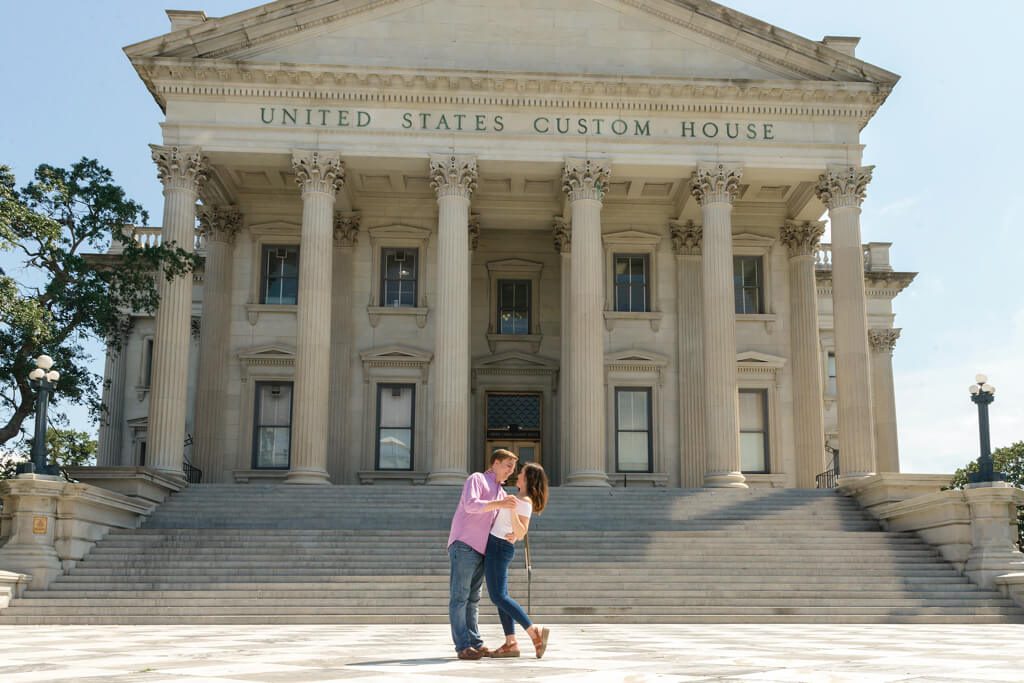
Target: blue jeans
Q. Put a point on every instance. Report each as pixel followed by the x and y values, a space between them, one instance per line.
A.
pixel 467 575
pixel 496 563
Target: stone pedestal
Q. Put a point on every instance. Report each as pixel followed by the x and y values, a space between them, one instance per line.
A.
pixel 993 532
pixel 144 484
pixel 12 585
pixel 30 501
pixel 887 454
pixel 808 407
pixel 686 243
pixel 453 178
pixel 584 182
pixel 182 170
pixel 219 225
pixel 714 186
pixel 319 177
pixel 842 190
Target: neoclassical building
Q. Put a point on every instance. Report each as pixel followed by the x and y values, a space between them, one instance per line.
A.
pixel 589 231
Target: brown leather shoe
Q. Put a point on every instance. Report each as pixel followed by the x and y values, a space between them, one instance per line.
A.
pixel 505 650
pixel 483 650
pixel 470 653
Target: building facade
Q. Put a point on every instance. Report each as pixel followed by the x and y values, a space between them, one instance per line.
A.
pixel 586 231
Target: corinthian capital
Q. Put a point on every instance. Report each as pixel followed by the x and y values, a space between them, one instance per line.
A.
pixel 562 233
pixel 843 186
pixel 318 172
pixel 585 179
pixel 474 231
pixel 180 168
pixel 884 339
pixel 686 238
pixel 715 183
pixel 802 238
pixel 219 223
pixel 346 228
pixel 453 175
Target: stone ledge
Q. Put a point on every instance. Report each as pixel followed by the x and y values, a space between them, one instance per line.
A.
pixel 396 477
pixel 137 482
pixel 1012 586
pixel 766 481
pixel 890 487
pixel 12 585
pixel 627 479
pixel 243 476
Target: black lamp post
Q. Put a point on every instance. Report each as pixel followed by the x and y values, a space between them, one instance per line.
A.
pixel 982 394
pixel 44 381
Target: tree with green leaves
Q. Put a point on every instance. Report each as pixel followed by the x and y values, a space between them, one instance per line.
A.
pixel 65 290
pixel 65 447
pixel 1008 460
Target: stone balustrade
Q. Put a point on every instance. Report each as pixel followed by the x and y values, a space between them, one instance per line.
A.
pixel 153 237
pixel 876 257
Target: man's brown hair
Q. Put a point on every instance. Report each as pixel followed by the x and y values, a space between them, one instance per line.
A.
pixel 502 454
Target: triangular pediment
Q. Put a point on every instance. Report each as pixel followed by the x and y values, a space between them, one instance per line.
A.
pixel 758 359
pixel 677 39
pixel 515 359
pixel 395 353
pixel 267 352
pixel 636 357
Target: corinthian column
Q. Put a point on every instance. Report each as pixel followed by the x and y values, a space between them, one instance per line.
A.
pixel 182 170
pixel 883 394
pixel 842 190
pixel 320 176
pixel 686 243
pixel 584 181
pixel 714 186
pixel 342 463
pixel 453 178
pixel 112 423
pixel 808 409
pixel 219 226
pixel 562 234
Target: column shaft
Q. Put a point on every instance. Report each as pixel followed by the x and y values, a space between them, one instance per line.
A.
pixel 884 399
pixel 454 179
pixel 563 245
pixel 319 177
pixel 342 463
pixel 219 226
pixel 182 171
pixel 714 187
pixel 843 191
pixel 686 242
pixel 808 401
pixel 112 425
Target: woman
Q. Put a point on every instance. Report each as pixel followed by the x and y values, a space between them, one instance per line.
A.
pixel 510 526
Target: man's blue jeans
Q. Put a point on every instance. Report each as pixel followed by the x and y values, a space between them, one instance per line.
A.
pixel 467 576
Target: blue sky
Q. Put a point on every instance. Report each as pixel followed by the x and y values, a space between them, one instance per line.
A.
pixel 945 190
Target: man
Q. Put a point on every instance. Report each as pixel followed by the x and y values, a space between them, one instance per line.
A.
pixel 482 497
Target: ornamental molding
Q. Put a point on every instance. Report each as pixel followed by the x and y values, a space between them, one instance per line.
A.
pixel 843 186
pixel 877 284
pixel 395 356
pixel 453 175
pixel 715 183
pixel 320 172
pixel 346 228
pixel 561 232
pixel 585 178
pixel 219 223
pixel 801 237
pixel 267 355
pixel 687 237
pixel 754 364
pixel 180 168
pixel 883 340
pixel 631 238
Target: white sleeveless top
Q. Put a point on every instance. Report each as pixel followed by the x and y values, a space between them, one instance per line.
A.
pixel 503 522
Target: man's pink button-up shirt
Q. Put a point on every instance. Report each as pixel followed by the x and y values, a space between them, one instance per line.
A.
pixel 471 524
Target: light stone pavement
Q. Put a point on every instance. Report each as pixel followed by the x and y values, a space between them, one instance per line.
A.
pixel 420 654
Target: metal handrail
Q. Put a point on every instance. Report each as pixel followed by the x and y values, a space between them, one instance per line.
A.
pixel 193 475
pixel 829 478
pixel 529 575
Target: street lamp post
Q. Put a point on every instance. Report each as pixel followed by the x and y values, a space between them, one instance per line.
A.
pixel 982 394
pixel 44 381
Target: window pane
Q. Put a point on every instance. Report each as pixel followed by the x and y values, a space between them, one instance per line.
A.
pixel 747 284
pixel 273 446
pixel 396 411
pixel 395 449
pixel 275 401
pixel 633 455
pixel 751 411
pixel 630 282
pixel 273 424
pixel 280 275
pixel 633 410
pixel 752 452
pixel 513 306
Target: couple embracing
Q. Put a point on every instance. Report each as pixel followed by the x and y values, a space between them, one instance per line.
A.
pixel 481 545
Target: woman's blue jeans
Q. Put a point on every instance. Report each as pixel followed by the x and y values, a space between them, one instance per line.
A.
pixel 496 563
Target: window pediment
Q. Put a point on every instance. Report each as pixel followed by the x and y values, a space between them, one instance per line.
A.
pixel 388 355
pixel 631 238
pixel 515 359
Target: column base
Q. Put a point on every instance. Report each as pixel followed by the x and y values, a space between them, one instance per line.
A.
pixel 319 477
pixel 447 478
pixel 725 480
pixel 587 478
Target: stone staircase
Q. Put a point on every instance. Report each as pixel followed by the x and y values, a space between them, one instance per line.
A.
pixel 375 554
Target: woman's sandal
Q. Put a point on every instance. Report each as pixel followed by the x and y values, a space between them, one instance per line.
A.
pixel 541 644
pixel 505 650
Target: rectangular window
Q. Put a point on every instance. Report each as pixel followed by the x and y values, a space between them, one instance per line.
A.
pixel 830 382
pixel 754 431
pixel 631 285
pixel 398 277
pixel 514 306
pixel 272 444
pixel 279 280
pixel 748 282
pixel 395 419
pixel 633 430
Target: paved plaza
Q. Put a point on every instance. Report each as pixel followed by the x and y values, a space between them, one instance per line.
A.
pixel 229 654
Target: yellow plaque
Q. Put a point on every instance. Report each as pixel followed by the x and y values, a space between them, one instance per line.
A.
pixel 39 525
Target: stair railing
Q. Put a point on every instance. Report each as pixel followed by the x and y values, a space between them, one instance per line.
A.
pixel 829 478
pixel 193 474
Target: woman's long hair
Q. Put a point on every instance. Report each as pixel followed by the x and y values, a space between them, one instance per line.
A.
pixel 536 485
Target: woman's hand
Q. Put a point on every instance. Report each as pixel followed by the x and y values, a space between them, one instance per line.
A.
pixel 511 537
